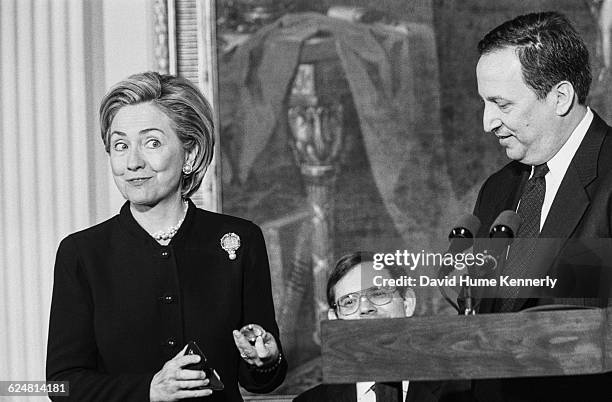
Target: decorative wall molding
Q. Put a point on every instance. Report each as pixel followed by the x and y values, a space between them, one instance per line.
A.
pixel 160 11
pixel 186 42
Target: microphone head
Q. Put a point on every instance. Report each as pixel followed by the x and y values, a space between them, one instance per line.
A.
pixel 506 225
pixel 466 227
pixel 462 235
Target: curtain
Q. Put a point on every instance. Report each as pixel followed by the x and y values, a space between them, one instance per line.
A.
pixel 45 167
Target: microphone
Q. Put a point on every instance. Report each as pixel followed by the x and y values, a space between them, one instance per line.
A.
pixel 504 227
pixel 461 237
pixel 501 235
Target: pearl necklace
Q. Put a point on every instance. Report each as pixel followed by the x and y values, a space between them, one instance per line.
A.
pixel 169 233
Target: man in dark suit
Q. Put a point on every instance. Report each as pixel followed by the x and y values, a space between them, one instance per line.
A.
pixel 534 76
pixel 352 294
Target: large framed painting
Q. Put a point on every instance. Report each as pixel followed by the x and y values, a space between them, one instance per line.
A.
pixel 347 125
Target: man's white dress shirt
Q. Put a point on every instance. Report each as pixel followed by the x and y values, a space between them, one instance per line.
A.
pixel 365 393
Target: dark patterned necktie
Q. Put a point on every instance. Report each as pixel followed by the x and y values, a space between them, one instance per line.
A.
pixel 388 392
pixel 523 247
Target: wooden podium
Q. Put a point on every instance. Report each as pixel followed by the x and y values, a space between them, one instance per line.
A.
pixel 524 344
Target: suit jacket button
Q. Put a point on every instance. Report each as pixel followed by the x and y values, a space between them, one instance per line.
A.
pixel 165 254
pixel 168 299
pixel 171 342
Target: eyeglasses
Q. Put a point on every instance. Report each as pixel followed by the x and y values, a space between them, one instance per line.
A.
pixel 377 295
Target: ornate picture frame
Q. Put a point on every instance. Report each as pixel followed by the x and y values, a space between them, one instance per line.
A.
pixel 184 38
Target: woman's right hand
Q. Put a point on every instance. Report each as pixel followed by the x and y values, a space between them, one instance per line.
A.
pixel 172 382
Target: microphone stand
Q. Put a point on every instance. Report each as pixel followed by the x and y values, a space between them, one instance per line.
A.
pixel 445 295
pixel 505 234
pixel 501 235
pixel 469 302
pixel 461 238
pixel 466 291
pixel 498 261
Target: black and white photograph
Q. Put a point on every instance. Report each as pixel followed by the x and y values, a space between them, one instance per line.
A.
pixel 210 199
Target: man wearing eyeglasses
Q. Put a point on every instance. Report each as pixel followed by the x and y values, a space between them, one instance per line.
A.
pixel 353 295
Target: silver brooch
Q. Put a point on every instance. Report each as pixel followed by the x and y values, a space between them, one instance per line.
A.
pixel 230 242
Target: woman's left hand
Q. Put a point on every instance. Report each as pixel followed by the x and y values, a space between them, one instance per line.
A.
pixel 263 353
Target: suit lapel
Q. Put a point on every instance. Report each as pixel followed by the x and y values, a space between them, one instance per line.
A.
pixel 570 203
pixel 568 207
pixel 508 197
pixel 505 194
pixel 517 186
